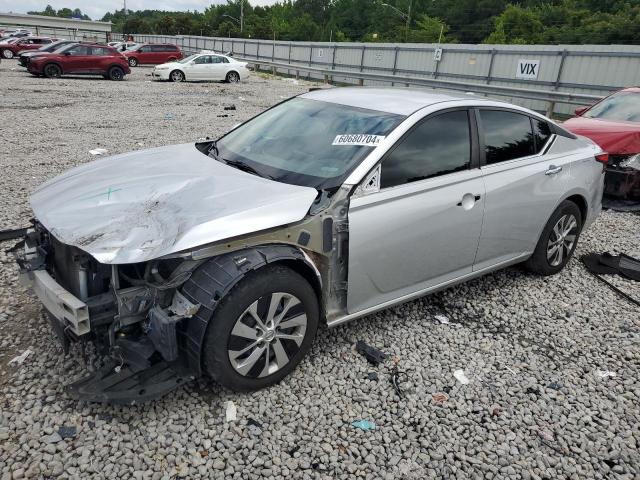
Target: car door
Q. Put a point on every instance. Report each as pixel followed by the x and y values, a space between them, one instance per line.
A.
pixel 78 59
pixel 218 68
pixel 523 185
pixel 198 68
pixel 421 228
pixel 145 54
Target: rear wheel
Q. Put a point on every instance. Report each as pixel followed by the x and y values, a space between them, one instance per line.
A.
pixel 7 53
pixel 52 70
pixel 176 76
pixel 558 240
pixel 261 330
pixel 233 77
pixel 133 62
pixel 116 73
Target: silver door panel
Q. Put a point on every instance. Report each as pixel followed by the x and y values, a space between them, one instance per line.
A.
pixel 521 195
pixel 408 238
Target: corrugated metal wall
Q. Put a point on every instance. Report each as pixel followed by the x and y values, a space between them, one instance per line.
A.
pixel 590 69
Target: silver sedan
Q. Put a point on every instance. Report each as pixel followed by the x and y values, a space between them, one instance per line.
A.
pixel 225 257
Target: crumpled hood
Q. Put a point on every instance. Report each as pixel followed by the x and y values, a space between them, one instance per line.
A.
pixel 142 205
pixel 616 138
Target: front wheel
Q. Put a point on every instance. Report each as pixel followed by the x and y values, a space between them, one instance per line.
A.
pixel 261 330
pixel 176 76
pixel 7 53
pixel 133 62
pixel 52 71
pixel 233 77
pixel 558 240
pixel 116 73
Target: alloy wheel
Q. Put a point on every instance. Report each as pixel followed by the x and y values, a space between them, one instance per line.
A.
pixel 176 76
pixel 562 239
pixel 7 54
pixel 52 71
pixel 117 74
pixel 233 77
pixel 267 335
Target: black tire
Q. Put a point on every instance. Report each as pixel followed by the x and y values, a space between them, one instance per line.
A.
pixel 545 260
pixel 176 76
pixel 232 77
pixel 51 70
pixel 219 341
pixel 133 62
pixel 116 74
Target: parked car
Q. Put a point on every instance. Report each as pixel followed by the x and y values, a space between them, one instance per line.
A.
pixel 28 43
pixel 153 54
pixel 202 66
pixel 80 59
pixel 614 124
pixel 25 55
pixel 123 46
pixel 224 256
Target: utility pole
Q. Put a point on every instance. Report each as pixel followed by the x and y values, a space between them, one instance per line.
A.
pixel 406 36
pixel 241 15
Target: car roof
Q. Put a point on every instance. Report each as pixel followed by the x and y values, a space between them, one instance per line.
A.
pixel 397 100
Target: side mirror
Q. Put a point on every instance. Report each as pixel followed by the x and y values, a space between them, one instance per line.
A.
pixel 66 54
pixel 580 111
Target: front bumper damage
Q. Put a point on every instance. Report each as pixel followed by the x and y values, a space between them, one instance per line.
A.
pixel 134 327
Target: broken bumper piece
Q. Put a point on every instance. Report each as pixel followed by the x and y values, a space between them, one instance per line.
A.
pixel 125 386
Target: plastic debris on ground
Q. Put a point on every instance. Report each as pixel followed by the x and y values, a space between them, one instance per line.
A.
pixel 397 378
pixel 605 373
pixel 373 376
pixel 442 319
pixel 461 377
pixel 67 432
pixel 169 116
pixel 230 107
pixel 439 397
pixel 231 414
pixel 364 425
pixel 555 386
pixel 19 360
pixel 372 354
pixel 98 151
pixel 254 427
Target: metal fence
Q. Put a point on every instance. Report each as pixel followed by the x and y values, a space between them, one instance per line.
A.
pixel 72 34
pixel 587 72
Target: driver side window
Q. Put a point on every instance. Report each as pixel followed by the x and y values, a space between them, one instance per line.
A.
pixel 439 145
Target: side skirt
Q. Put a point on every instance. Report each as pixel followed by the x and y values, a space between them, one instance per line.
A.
pixel 420 293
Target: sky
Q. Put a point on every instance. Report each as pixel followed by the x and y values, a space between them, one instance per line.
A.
pixel 97 8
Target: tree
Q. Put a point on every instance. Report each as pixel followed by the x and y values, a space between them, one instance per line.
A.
pixel 517 25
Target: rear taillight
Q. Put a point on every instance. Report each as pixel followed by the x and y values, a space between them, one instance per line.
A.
pixel 602 158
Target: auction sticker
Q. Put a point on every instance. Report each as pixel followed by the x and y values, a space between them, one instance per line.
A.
pixel 361 139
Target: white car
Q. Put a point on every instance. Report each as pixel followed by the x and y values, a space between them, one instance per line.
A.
pixel 202 66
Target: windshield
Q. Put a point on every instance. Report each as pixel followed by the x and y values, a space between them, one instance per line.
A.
pixel 622 106
pixel 188 59
pixel 306 142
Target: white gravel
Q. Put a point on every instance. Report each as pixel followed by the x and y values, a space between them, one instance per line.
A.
pixel 535 406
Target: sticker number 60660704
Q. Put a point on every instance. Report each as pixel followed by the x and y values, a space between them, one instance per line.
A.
pixel 361 139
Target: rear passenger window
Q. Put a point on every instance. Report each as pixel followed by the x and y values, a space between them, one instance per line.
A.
pixel 542 133
pixel 507 135
pixel 439 145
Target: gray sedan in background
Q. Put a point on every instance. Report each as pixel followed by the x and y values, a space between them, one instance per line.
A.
pixel 222 257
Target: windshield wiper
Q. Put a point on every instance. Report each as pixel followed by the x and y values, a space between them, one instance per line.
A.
pixel 245 167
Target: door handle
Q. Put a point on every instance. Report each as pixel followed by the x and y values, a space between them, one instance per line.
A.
pixel 552 170
pixel 468 201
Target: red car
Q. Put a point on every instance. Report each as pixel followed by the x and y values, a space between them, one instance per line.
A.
pixel 10 50
pixel 153 54
pixel 614 124
pixel 81 59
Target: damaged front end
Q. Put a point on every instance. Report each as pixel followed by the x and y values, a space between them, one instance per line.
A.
pixel 131 314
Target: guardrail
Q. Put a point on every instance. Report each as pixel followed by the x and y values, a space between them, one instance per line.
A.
pixel 550 96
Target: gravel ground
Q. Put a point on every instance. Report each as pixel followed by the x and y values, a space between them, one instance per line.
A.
pixel 534 349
